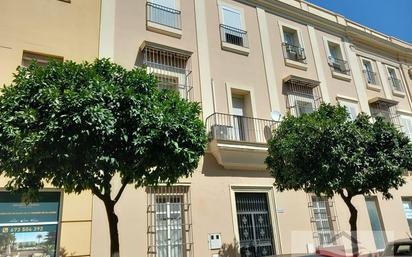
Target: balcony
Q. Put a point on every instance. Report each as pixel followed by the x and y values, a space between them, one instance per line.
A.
pixel 234 39
pixel 340 68
pixel 163 20
pixel 239 142
pixel 396 85
pixel 294 56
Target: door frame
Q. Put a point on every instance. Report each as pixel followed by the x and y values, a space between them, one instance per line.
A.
pixel 270 192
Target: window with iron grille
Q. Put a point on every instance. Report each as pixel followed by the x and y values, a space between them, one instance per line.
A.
pixel 172 69
pixel 302 96
pixel 388 111
pixel 41 59
pixel 169 222
pixel 321 209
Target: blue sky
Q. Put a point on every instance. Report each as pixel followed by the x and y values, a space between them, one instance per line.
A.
pixel 391 17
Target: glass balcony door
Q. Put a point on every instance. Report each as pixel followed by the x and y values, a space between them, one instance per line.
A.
pixel 239 121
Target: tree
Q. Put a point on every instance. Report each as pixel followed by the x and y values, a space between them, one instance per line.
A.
pixel 76 126
pixel 325 153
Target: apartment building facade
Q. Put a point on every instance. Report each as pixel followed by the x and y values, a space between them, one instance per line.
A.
pixel 44 30
pixel 248 62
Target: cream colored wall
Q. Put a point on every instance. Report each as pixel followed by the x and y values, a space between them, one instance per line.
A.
pixel 70 30
pixel 282 71
pixel 131 32
pixel 335 86
pixel 248 71
pixel 50 27
pixel 211 184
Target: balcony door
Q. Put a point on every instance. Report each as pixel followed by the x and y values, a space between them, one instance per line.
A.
pixel 239 120
pixel 163 12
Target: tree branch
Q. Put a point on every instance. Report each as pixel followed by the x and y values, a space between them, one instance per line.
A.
pixel 119 194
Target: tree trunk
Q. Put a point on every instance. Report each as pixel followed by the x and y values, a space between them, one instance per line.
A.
pixel 114 232
pixel 353 224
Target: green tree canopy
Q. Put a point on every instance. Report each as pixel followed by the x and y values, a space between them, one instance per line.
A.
pixel 325 153
pixel 76 126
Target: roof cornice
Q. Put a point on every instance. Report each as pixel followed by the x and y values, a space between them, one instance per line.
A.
pixel 334 23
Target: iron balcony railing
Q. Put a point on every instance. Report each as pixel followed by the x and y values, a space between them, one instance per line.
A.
pixel 163 15
pixel 339 65
pixel 371 77
pixel 396 84
pixel 294 53
pixel 233 36
pixel 229 127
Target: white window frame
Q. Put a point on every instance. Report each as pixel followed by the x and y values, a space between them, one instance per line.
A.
pixel 283 25
pixel 399 77
pixel 375 87
pixel 348 102
pixel 322 203
pixel 270 191
pixel 222 5
pixel 335 74
pixel 177 4
pixel 408 118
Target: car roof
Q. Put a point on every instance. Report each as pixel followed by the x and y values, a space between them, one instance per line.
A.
pixel 402 241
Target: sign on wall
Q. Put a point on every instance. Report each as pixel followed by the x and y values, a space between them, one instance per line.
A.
pixel 29 230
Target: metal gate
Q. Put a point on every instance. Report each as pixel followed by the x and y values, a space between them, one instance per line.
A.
pixel 255 227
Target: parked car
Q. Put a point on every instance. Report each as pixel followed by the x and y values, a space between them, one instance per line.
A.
pixel 399 248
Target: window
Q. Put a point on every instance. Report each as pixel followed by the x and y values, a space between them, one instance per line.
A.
pixel 292 45
pixel 406 123
pixel 370 75
pixel 172 69
pixel 41 59
pixel 232 27
pixel 302 95
pixel 385 108
pixel 336 59
pixel 407 207
pixel 322 218
pixel 376 222
pixel 164 12
pixel 169 217
pixel 29 228
pixel 351 107
pixel 395 83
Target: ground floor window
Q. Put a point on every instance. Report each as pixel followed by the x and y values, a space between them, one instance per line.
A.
pixel 407 207
pixel 254 224
pixel 322 218
pixel 376 222
pixel 169 220
pixel 29 230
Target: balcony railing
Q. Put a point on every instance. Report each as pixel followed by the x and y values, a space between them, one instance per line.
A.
pixel 294 53
pixel 163 15
pixel 371 77
pixel 396 84
pixel 233 36
pixel 339 65
pixel 229 127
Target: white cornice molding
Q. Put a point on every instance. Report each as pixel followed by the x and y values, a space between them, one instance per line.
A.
pixel 341 26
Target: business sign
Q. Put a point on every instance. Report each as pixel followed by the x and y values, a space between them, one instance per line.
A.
pixel 29 229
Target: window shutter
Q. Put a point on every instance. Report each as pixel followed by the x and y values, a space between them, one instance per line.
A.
pixel 232 18
pixel 166 3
